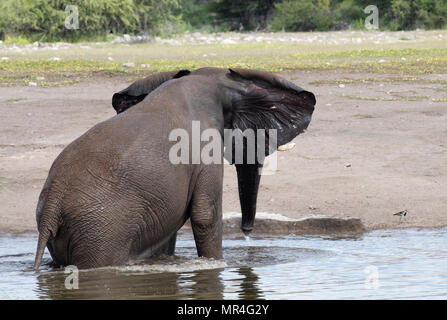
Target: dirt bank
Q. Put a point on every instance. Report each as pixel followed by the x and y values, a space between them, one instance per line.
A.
pixel 376 145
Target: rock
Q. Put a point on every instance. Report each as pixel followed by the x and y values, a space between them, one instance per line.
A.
pixel 228 41
pixel 32 84
pixel 281 225
pixel 129 64
pixel 118 40
pixel 318 225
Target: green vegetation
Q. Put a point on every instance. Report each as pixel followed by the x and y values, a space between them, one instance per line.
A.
pixel 302 15
pixel 14 100
pixel 44 20
pixel 364 116
pixel 439 89
pixel 440 100
pixel 72 68
pixel 379 80
pixel 348 96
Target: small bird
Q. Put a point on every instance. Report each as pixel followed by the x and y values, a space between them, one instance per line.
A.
pixel 401 214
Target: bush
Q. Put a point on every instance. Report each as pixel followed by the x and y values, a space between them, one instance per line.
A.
pixel 33 19
pixel 301 15
pixel 243 15
pixel 197 14
pixel 97 18
pixel 348 13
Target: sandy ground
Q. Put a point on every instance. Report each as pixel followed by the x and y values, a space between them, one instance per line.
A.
pixel 360 158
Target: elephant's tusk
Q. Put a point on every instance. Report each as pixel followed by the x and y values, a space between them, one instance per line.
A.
pixel 286 147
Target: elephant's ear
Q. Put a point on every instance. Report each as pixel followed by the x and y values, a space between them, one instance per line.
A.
pixel 138 90
pixel 267 101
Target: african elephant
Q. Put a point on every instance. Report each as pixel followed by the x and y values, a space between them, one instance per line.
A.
pixel 114 194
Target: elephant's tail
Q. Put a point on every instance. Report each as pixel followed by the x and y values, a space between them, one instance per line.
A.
pixel 43 239
pixel 48 223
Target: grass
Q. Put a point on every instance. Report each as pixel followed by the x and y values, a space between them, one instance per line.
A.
pixel 440 100
pixel 409 95
pixel 364 116
pixel 380 80
pixel 76 62
pixel 353 97
pixel 14 100
pixel 439 89
pixel 16 40
pixel 396 96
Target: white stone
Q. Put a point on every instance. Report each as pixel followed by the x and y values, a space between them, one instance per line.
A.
pixel 286 147
pixel 228 41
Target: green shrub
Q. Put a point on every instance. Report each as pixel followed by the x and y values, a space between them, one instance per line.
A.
pixel 301 15
pixel 358 24
pixel 97 18
pixel 31 20
pixel 197 14
pixel 348 13
pixel 243 15
pixel 430 14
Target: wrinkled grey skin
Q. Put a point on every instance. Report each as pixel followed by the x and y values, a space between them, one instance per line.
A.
pixel 112 195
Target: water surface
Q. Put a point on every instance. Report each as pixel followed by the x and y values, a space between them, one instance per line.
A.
pixel 386 264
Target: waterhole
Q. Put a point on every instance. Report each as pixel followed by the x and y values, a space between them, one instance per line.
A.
pixel 386 264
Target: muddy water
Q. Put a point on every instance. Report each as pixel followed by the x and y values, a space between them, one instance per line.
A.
pixel 390 264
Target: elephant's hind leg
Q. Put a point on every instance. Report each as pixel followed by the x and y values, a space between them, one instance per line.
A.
pixel 206 212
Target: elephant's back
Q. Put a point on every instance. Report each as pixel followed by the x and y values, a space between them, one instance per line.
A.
pixel 120 172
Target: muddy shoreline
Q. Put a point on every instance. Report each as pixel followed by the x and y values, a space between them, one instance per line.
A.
pixel 373 148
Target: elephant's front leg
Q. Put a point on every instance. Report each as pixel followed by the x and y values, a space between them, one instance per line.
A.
pixel 206 212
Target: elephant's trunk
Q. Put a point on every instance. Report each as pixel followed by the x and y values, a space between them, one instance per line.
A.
pixel 248 181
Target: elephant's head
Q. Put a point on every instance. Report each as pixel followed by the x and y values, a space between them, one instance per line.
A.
pixel 138 90
pixel 250 99
pixel 261 100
